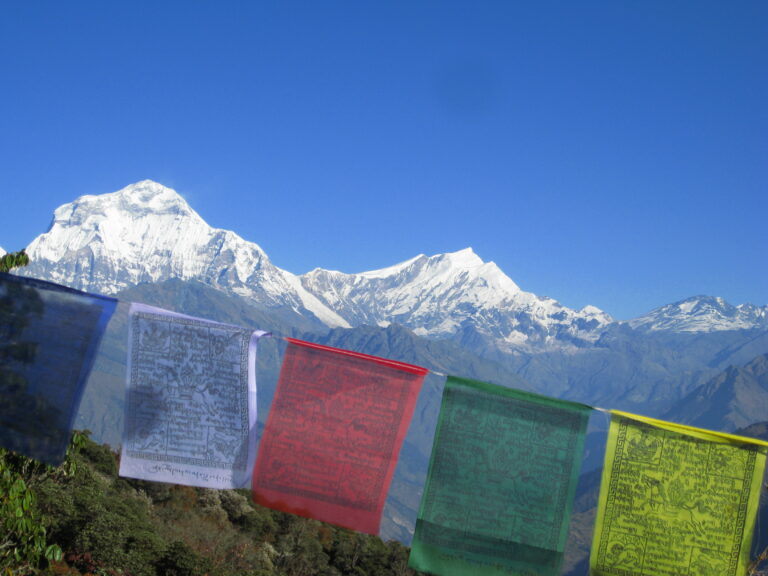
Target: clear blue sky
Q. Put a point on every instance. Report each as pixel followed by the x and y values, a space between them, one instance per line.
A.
pixel 606 153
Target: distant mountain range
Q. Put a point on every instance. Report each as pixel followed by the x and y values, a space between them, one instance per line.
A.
pixel 147 233
pixel 696 361
pixel 145 242
pixel 702 314
pixel 146 236
pixel 735 398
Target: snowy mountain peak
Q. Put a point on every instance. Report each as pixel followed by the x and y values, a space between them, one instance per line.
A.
pixel 142 226
pixel 464 262
pixel 702 314
pixel 147 232
pixel 451 294
pixel 465 258
pixel 151 196
pixel 143 198
pixel 121 221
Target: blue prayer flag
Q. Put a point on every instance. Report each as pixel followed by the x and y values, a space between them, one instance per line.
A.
pixel 49 335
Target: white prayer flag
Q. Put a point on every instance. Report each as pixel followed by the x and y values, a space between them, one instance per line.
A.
pixel 190 407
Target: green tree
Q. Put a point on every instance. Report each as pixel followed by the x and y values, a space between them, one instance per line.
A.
pixel 13 260
pixel 23 532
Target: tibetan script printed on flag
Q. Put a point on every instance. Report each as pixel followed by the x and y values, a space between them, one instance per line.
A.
pixel 331 442
pixel 49 335
pixel 675 500
pixel 501 482
pixel 190 400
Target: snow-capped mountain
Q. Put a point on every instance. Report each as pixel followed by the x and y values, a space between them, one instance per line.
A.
pixel 148 233
pixel 702 314
pixel 451 294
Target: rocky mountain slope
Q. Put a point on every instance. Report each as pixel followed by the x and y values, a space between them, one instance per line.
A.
pixel 736 398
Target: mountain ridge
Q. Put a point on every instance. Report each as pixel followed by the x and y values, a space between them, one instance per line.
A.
pixel 702 314
pixel 734 399
pixel 147 232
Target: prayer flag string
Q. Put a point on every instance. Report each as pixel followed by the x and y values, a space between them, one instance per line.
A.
pixel 674 499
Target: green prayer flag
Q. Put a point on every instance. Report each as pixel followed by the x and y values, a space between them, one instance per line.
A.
pixel 501 482
pixel 675 501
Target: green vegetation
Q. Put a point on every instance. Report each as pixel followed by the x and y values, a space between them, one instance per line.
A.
pixel 81 518
pixel 13 260
pixel 22 531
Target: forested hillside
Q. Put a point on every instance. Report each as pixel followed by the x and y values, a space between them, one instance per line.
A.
pixel 87 520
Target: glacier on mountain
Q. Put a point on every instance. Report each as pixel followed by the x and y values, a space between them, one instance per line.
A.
pixel 147 232
pixel 447 294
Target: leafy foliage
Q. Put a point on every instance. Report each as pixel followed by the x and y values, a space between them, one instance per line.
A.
pixel 102 524
pixel 23 539
pixel 13 260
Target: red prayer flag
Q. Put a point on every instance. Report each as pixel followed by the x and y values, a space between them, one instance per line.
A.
pixel 332 438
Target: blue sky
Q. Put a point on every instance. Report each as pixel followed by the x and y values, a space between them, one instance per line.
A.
pixel 605 153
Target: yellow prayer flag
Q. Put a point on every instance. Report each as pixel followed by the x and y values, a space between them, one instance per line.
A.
pixel 675 500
